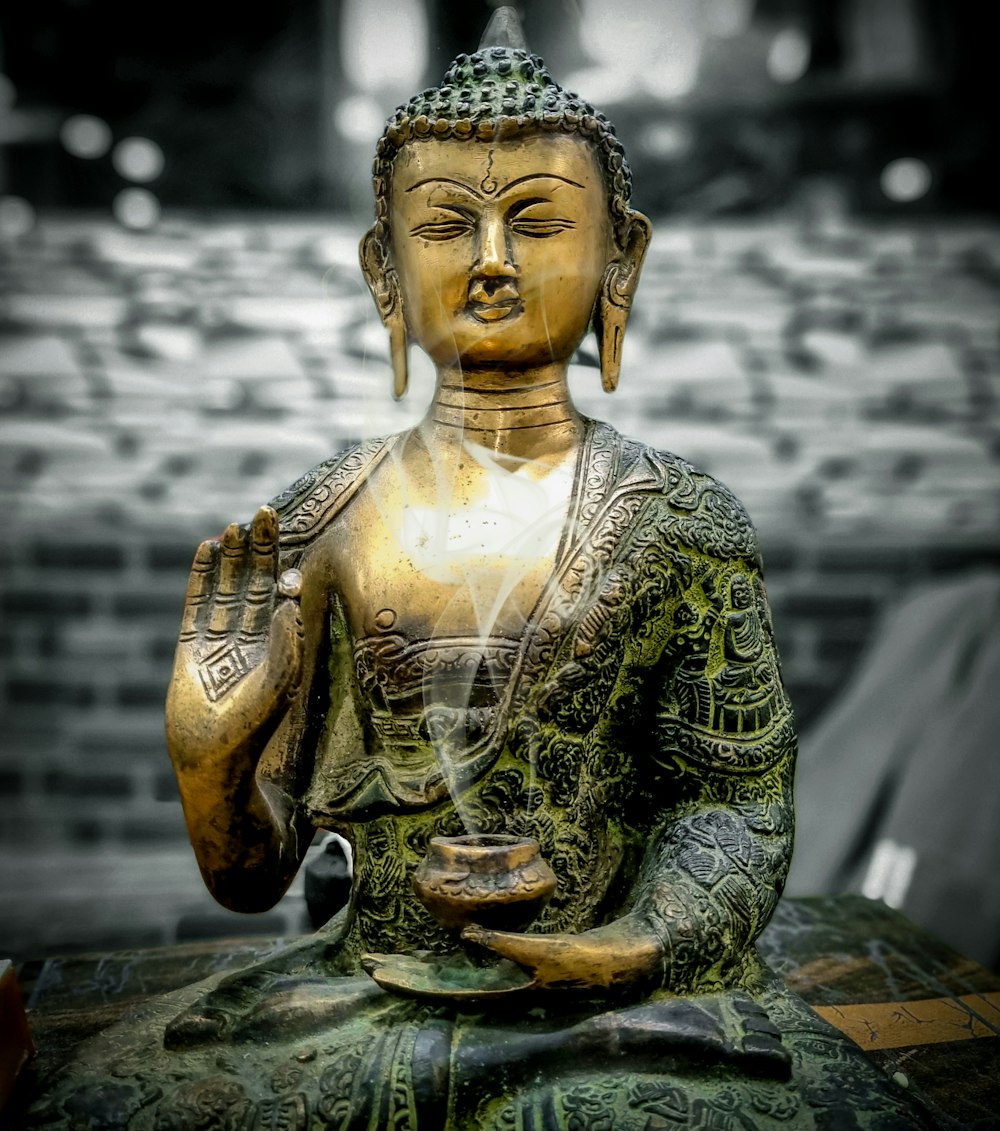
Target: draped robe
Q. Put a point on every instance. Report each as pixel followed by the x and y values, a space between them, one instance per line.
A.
pixel 639 730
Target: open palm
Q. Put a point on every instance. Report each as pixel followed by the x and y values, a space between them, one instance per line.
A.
pixel 240 649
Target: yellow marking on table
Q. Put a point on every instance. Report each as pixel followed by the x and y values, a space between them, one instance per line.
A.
pixel 897 1024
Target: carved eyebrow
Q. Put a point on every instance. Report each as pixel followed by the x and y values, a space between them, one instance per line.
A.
pixel 538 177
pixel 443 181
pixel 499 192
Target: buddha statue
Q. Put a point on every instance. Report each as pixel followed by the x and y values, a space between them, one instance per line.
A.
pixel 508 628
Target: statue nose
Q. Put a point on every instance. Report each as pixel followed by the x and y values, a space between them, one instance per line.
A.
pixel 494 260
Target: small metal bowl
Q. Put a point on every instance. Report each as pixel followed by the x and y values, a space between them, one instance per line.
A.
pixel 500 882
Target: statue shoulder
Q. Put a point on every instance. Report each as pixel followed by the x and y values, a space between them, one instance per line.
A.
pixel 699 511
pixel 314 500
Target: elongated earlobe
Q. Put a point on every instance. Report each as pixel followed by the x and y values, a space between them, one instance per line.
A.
pixel 614 302
pixel 384 285
pixel 396 325
pixel 609 325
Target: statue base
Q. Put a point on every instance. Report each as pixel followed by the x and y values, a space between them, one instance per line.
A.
pixel 926 1018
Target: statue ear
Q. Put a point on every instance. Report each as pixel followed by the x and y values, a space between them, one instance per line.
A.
pixel 384 285
pixel 615 298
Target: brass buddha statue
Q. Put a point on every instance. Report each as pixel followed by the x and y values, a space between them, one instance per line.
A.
pixel 507 626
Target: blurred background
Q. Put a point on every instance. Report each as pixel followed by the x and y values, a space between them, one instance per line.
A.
pixel 184 330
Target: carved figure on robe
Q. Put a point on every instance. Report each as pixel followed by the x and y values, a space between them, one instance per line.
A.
pixel 509 621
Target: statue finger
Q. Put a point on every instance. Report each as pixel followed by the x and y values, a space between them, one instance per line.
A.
pixel 525 950
pixel 198 597
pixel 263 568
pixel 264 548
pixel 230 580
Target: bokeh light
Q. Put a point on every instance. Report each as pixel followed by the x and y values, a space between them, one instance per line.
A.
pixel 668 141
pixel 789 55
pixel 85 136
pixel 380 53
pixel 728 18
pixel 655 45
pixel 360 118
pixel 676 76
pixel 906 179
pixel 138 159
pixel 136 208
pixel 17 217
pixel 643 30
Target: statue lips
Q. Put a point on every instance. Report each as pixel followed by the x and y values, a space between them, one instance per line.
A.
pixel 491 300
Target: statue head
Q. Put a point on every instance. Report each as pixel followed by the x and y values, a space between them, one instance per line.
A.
pixel 516 191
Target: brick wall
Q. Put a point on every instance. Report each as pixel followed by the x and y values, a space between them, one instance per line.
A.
pixel 153 387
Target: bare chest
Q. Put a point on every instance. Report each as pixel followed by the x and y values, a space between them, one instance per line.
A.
pixel 464 559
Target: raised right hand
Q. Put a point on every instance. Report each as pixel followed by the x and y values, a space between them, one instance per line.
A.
pixel 239 656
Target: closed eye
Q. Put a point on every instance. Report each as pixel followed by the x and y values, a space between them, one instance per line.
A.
pixel 442 229
pixel 541 229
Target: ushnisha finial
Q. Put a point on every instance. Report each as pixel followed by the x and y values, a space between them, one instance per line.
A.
pixel 504 30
